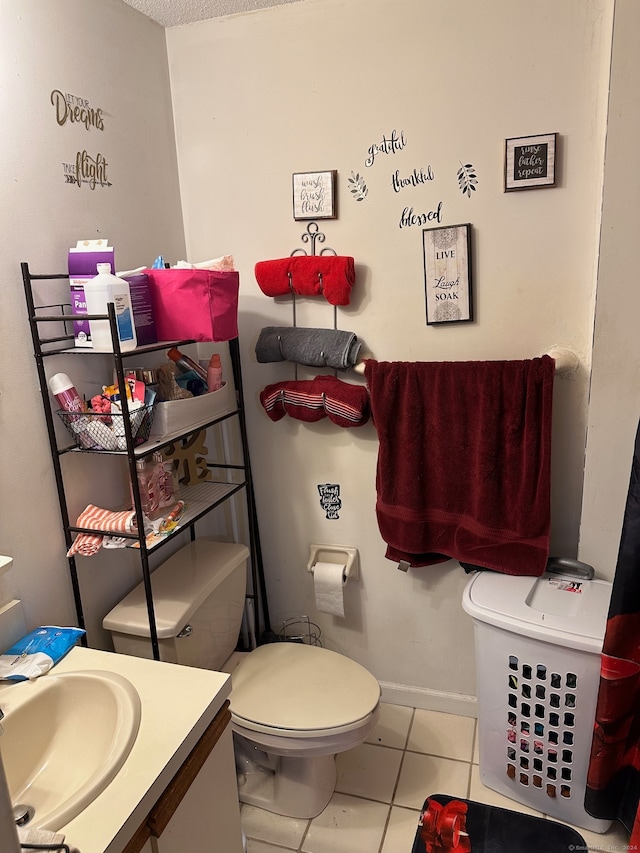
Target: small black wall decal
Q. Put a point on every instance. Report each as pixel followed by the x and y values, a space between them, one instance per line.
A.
pixel 357 187
pixel 467 179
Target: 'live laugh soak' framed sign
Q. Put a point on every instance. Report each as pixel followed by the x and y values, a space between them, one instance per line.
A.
pixel 447 274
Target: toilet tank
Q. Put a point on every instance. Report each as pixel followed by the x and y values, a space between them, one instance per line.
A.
pixel 198 598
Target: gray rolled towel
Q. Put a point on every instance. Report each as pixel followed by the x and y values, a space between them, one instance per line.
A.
pixel 313 347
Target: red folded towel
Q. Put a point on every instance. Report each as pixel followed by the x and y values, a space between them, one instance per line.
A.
pixel 464 464
pixel 311 400
pixel 331 276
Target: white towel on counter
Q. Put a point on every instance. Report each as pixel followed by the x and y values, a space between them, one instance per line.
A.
pixel 27 835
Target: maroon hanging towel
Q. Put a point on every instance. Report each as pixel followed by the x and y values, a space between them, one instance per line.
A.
pixel 464 465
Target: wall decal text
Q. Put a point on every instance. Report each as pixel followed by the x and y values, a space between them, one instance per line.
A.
pixel 71 108
pixel 88 170
pixel 330 499
pixel 409 218
pixel 387 145
pixel 418 177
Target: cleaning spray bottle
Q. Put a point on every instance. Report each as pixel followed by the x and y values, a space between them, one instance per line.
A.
pixel 101 290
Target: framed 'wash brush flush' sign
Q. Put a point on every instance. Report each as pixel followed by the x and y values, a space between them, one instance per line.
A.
pixel 314 195
pixel 447 274
pixel 530 162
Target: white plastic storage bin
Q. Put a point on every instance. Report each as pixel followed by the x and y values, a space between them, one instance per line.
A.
pixel 177 415
pixel 538 645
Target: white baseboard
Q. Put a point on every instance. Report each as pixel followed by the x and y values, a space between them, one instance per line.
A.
pixel 430 700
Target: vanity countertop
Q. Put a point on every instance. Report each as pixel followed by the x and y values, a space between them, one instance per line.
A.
pixel 178 703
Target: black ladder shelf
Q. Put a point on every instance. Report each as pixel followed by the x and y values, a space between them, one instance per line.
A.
pixel 62 342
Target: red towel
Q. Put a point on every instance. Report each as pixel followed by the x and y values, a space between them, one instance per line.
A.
pixel 331 276
pixel 346 405
pixel 464 465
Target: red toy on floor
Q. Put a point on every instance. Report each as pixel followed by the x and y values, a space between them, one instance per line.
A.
pixel 450 825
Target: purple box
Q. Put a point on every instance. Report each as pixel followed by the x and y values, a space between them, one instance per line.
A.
pixel 83 262
pixel 142 309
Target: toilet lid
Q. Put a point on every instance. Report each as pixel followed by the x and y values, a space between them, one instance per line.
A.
pixel 300 688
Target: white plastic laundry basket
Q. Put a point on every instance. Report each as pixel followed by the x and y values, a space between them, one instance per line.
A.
pixel 538 644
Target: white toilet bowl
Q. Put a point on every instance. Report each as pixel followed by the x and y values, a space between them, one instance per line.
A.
pixel 293 708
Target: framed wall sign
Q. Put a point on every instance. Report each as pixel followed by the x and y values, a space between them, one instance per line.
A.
pixel 530 162
pixel 314 195
pixel 447 274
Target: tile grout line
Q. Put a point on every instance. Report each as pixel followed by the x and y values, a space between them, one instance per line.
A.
pixel 404 752
pixel 473 752
pixel 304 836
pixel 384 829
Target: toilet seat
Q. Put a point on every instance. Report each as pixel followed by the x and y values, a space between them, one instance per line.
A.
pixel 298 691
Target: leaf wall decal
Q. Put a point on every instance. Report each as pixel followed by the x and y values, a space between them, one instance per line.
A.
pixel 358 187
pixel 467 179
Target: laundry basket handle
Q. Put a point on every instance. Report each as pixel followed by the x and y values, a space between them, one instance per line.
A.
pixel 570 568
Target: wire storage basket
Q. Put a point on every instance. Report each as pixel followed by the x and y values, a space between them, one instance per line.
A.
pixel 100 431
pixel 300 629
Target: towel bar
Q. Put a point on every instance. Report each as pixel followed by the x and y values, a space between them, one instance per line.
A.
pixel 566 361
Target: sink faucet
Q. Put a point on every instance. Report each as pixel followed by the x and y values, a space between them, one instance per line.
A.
pixel 8 833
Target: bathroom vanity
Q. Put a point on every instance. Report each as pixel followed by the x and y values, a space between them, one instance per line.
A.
pixel 177 789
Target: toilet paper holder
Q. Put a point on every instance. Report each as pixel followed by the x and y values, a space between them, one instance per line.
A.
pixel 346 555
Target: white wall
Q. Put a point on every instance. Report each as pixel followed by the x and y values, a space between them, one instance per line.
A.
pixel 312 86
pixel 614 405
pixel 307 87
pixel 106 53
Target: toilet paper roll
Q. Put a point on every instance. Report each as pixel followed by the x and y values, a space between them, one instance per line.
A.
pixel 329 587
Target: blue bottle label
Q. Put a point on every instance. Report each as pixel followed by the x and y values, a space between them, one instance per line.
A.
pixel 124 318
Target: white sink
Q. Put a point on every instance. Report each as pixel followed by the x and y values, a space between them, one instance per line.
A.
pixel 65 738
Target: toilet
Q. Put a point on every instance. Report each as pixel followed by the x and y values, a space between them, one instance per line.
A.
pixel 294 707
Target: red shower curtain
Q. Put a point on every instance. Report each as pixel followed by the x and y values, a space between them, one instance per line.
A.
pixel 613 782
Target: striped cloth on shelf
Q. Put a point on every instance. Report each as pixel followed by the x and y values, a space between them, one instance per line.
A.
pixel 104 520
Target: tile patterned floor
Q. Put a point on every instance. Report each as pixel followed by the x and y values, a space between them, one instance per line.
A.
pixel 382 785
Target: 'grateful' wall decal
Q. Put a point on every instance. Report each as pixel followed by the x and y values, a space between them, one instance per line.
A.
pixel 408 180
pixel 87 169
pixel 387 145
